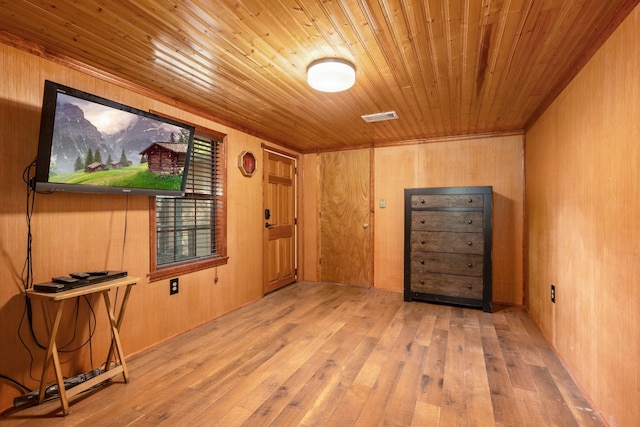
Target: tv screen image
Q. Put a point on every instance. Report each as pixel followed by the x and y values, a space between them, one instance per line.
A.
pixel 91 144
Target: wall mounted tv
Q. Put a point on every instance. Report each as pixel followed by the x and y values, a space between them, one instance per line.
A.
pixel 90 144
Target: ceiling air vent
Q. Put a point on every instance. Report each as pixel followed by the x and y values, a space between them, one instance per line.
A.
pixel 379 117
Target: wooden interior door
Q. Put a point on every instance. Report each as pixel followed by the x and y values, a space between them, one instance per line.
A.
pixel 280 221
pixel 345 232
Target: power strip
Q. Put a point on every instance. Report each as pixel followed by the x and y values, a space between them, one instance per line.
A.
pixel 52 392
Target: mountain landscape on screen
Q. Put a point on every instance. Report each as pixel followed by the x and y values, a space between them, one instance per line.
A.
pixel 121 133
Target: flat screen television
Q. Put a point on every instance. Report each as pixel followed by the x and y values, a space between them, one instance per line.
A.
pixel 90 144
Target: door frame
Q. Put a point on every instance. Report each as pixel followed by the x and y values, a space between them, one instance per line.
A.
pixel 267 149
pixel 371 212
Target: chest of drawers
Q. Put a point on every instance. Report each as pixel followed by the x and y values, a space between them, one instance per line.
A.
pixel 447 245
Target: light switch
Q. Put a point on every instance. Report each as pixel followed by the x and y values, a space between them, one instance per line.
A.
pixel 383 203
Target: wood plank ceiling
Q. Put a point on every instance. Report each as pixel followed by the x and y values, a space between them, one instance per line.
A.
pixel 447 68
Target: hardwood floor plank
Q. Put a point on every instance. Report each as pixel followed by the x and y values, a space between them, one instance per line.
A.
pixel 315 407
pixel 453 407
pixel 374 406
pixel 478 395
pixel 370 372
pixel 425 414
pixel 502 396
pixel 323 409
pixel 318 354
pixel 306 385
pixel 402 402
pixel 561 385
pixel 300 347
pixel 425 329
pixel 518 371
pixel 432 379
pixel 531 409
pixel 348 410
pixel 236 417
pixel 552 399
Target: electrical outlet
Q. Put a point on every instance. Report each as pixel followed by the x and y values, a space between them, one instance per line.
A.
pixel 553 293
pixel 173 286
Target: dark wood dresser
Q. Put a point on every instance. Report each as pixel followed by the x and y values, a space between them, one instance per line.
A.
pixel 447 245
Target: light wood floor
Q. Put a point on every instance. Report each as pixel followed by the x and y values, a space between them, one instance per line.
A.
pixel 327 355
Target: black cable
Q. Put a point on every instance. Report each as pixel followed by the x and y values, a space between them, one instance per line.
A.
pixel 27 269
pixel 124 237
pixel 24 344
pixel 15 383
pixel 28 176
pixel 27 279
pixel 124 243
pixel 91 332
pixel 62 348
pixel 95 323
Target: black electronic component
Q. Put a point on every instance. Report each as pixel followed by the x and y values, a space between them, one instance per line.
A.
pixel 63 283
pixel 64 280
pixel 49 287
pixel 98 273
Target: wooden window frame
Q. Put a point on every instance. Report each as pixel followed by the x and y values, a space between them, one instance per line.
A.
pixel 189 266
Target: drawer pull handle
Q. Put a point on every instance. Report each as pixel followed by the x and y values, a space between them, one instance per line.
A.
pixel 468 286
pixel 422 201
pixel 422 221
pixel 470 200
pixel 469 265
pixel 422 261
pixel 470 243
pixel 470 222
pixel 422 282
pixel 422 241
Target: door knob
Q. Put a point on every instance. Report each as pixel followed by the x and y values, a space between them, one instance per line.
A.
pixel 267 225
pixel 365 225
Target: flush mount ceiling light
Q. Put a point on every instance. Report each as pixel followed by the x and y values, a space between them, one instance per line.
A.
pixel 331 74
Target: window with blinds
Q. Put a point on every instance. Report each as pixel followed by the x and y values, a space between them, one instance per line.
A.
pixel 191 228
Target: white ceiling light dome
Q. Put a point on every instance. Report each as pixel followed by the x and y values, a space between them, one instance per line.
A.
pixel 331 74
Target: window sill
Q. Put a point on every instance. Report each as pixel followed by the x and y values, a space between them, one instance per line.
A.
pixel 178 269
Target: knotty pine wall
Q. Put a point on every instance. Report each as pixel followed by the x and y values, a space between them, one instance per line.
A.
pixel 81 232
pixel 582 207
pixel 496 161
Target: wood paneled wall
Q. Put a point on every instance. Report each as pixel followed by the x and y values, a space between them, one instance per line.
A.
pixel 81 232
pixel 309 229
pixel 582 207
pixel 496 161
pixel 493 161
